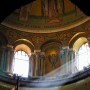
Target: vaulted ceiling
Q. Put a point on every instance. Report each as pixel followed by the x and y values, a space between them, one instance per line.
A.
pixel 46 16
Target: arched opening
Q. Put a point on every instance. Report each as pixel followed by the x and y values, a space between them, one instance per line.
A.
pixel 82 52
pixel 21 62
pixel 79 42
pixel 83 56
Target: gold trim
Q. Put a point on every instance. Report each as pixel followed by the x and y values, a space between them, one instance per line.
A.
pixel 48 31
pixel 75 36
pixel 25 41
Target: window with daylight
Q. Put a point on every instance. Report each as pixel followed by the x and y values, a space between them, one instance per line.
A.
pixel 83 56
pixel 21 64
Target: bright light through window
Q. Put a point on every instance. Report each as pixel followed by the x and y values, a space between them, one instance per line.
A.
pixel 83 56
pixel 21 64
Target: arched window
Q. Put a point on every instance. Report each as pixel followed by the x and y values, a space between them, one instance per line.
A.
pixel 83 56
pixel 80 45
pixel 21 61
pixel 21 64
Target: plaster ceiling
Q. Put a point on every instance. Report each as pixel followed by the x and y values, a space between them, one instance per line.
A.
pixel 46 16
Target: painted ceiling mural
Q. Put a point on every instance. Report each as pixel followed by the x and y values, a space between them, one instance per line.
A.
pixel 44 16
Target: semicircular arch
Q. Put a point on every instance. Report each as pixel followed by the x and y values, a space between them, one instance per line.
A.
pixel 78 40
pixel 75 37
pixel 52 42
pixel 25 42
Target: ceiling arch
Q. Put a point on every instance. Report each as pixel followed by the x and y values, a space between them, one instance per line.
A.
pixel 40 16
pixel 20 42
pixel 24 48
pixel 77 40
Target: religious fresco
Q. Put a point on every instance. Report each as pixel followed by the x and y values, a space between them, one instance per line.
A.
pixel 52 54
pixel 24 13
pixel 43 16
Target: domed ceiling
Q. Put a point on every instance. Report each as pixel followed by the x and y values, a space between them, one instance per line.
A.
pixel 46 16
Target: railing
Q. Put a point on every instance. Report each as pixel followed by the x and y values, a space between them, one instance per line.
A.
pixel 43 81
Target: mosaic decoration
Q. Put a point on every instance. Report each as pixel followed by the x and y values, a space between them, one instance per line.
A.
pixel 52 50
pixel 44 16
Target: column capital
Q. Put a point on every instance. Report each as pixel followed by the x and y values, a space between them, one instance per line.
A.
pixel 65 47
pixel 71 49
pixel 35 51
pixel 9 46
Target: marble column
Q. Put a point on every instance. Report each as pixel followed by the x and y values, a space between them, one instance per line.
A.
pixel 71 60
pixel 65 60
pixel 10 57
pixel 6 53
pixel 32 65
pixel 2 52
pixel 42 58
pixel 37 62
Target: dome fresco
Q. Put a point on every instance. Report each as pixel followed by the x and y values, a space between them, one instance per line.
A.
pixel 45 16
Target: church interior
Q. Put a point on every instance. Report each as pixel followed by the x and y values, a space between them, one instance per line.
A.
pixel 45 45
